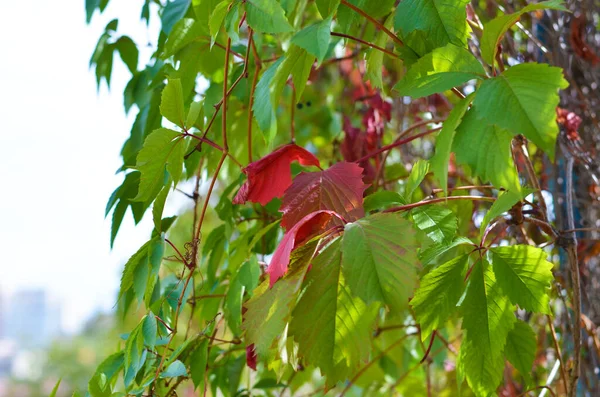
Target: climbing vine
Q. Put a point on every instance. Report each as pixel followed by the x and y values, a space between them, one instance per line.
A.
pixel 365 213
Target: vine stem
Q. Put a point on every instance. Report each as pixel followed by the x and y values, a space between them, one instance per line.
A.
pixel 468 187
pixel 402 134
pixel 396 144
pixel 178 253
pixel 407 207
pixel 563 373
pixel 519 145
pixel 257 65
pixel 373 361
pixel 375 46
pixel 174 331
pixel 374 22
pixel 571 249
pixel 211 143
pixel 226 94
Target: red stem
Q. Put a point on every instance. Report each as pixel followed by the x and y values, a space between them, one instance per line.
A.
pixel 397 143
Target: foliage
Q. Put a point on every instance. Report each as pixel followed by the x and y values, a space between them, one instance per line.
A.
pixel 331 254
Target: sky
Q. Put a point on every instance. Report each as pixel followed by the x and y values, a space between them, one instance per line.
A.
pixel 59 150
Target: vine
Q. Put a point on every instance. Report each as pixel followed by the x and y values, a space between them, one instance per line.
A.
pixel 419 239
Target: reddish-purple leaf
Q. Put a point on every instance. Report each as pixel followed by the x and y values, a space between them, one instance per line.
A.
pixel 270 176
pixel 339 188
pixel 251 356
pixel 311 225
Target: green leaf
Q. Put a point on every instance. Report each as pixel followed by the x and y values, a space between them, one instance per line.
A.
pixel 111 366
pixel 171 103
pixel 379 259
pixel 439 223
pixel 436 298
pixel 135 355
pixel 442 21
pixel 495 29
pixel 417 175
pixel 267 16
pixel 327 8
pixel 349 21
pixel 245 280
pixel 375 58
pixel 149 330
pixel 504 203
pixel 443 144
pixel 173 12
pixel 315 38
pixel 90 7
pixel 517 92
pixel 193 114
pixel 216 19
pixel 185 32
pixel 268 311
pixel 55 388
pixel 488 317
pixel 163 148
pixel 140 257
pixel 198 363
pixel 159 205
pixel 525 276
pixel 121 197
pixel 129 52
pixel 175 369
pixel 98 386
pixel 263 109
pixel 382 199
pixel 486 148
pixel 428 255
pixel 440 70
pixel 298 62
pixel 332 327
pixel 521 346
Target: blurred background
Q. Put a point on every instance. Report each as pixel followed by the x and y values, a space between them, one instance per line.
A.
pixel 59 151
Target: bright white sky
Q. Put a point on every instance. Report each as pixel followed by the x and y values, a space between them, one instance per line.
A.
pixel 59 149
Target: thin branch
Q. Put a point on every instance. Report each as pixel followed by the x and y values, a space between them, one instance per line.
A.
pixel 226 93
pixel 174 331
pixel 571 248
pixel 407 207
pixel 402 134
pixel 293 113
pixel 583 229
pixel 257 66
pixel 346 36
pixel 211 143
pixel 563 372
pixel 397 143
pixel 374 22
pixel 178 253
pixel 429 347
pixel 373 361
pixel 538 388
pixel 469 187
pixel 230 51
pixel 519 146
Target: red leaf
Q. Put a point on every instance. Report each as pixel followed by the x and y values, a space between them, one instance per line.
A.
pixel 251 356
pixel 339 188
pixel 311 225
pixel 270 176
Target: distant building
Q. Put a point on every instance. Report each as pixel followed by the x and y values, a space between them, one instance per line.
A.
pixel 32 321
